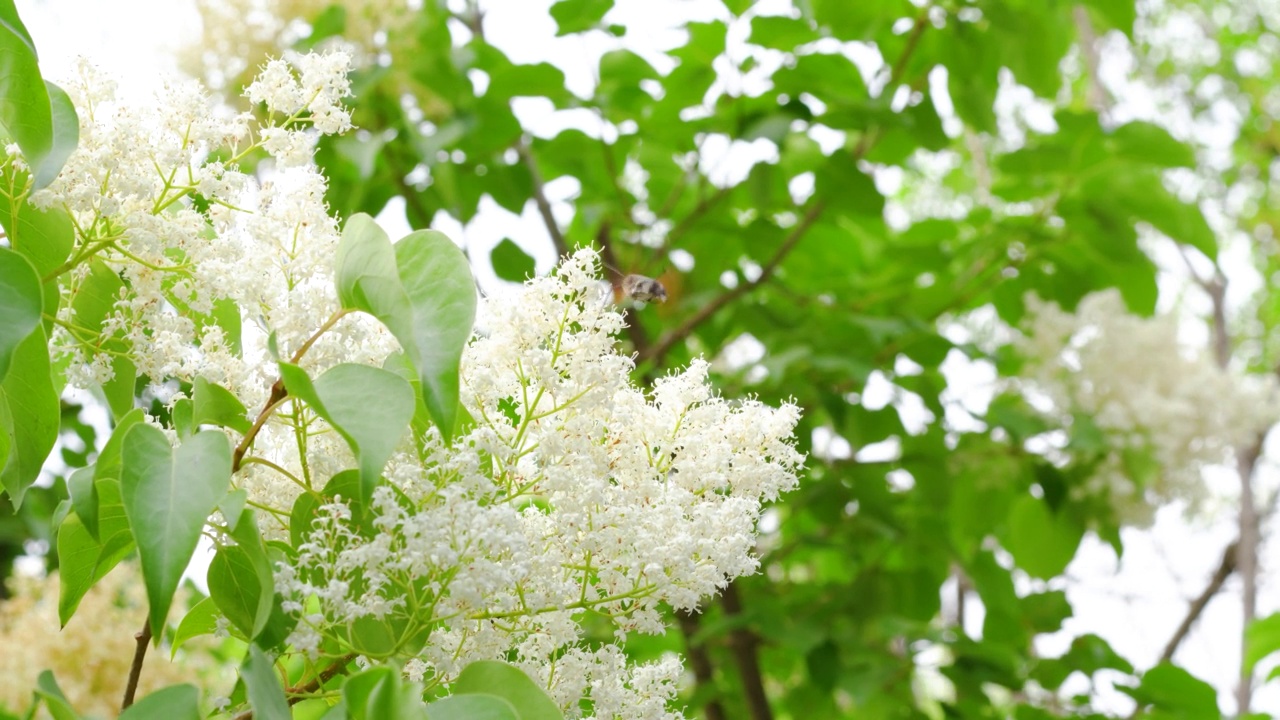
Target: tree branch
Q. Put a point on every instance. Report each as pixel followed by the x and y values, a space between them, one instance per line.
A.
pixel 1216 581
pixel 743 643
pixel 665 343
pixel 863 146
pixel 540 198
pixel 143 637
pixel 703 674
pixel 298 693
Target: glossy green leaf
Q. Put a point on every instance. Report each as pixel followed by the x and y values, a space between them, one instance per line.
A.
pixel 31 414
pixel 65 135
pixel 25 111
pixel 511 262
pixel 491 677
pixel 423 292
pixel 168 494
pixel 266 694
pixel 54 700
pixel 176 702
pixel 216 405
pixel 21 300
pixel 235 587
pixel 442 294
pixel 472 707
pixel 84 560
pixel 240 580
pixel 84 498
pixel 344 397
pixel 201 619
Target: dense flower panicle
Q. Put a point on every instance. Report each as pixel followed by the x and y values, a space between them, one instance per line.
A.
pixel 264 246
pixel 574 490
pixel 1147 393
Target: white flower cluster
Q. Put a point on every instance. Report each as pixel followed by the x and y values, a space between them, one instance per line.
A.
pixel 574 491
pixel 267 247
pixel 1153 398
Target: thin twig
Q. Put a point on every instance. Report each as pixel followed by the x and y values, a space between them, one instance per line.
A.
pixel 298 693
pixel 540 198
pixel 1219 578
pixel 863 146
pixel 659 349
pixel 143 637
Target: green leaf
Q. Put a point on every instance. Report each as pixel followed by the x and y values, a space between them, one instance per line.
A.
pixel 216 405
pixel 45 237
pixel 66 135
pixel 1150 144
pixel 511 262
pixel 476 706
pixel 83 561
pixel 1119 14
pixel 168 495
pixel 59 707
pixel 84 498
pixel 25 111
pixel 368 406
pixel 422 290
pixel 1041 541
pixel 573 16
pixel 1261 639
pixel 201 619
pixel 366 276
pixel 266 694
pixel 31 414
pixel 21 301
pixel 176 702
pixel 1177 692
pixel 235 587
pixel 491 677
pixel 442 293
pixel 240 579
pixel 378 694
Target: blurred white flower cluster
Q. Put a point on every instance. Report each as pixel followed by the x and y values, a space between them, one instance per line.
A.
pixel 1165 411
pixel 237 35
pixel 574 494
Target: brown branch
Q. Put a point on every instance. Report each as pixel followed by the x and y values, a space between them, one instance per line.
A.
pixel 743 643
pixel 863 146
pixel 700 662
pixel 540 198
pixel 298 693
pixel 143 637
pixel 666 342
pixel 1197 606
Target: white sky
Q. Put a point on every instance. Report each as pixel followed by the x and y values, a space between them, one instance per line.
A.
pixel 1135 604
